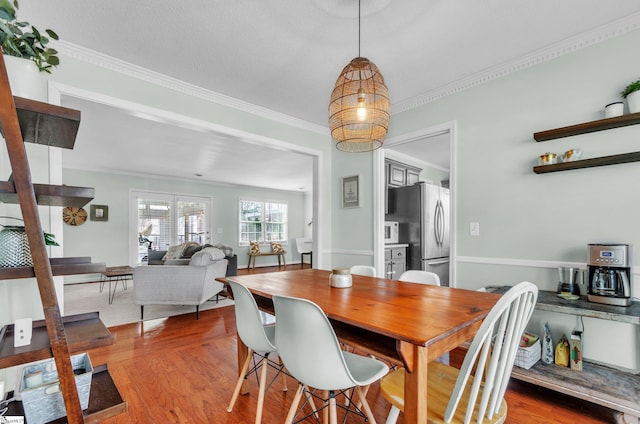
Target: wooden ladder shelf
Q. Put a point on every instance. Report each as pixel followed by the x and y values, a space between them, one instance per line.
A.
pixel 27 120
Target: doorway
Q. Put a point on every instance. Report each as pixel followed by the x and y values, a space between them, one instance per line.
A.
pixel 432 148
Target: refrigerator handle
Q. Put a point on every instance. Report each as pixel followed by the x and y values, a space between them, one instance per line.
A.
pixel 436 261
pixel 438 223
pixel 442 224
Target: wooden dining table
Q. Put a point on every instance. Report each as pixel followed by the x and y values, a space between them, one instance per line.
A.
pixel 405 323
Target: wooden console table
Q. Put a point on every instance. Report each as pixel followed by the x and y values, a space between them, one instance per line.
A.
pixel 252 256
pixel 599 384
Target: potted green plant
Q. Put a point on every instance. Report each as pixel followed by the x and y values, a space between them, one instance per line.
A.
pixel 632 94
pixel 21 39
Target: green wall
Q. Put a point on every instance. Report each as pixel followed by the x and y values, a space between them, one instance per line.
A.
pixel 110 241
pixel 529 223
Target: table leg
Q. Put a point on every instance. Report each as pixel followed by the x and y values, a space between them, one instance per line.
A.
pixel 112 294
pixel 415 388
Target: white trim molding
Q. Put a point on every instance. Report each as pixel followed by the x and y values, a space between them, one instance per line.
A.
pixel 570 45
pixel 352 252
pixel 111 63
pixel 528 263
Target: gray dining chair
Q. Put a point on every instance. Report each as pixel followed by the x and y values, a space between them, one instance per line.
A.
pixel 311 353
pixel 457 396
pixel 259 338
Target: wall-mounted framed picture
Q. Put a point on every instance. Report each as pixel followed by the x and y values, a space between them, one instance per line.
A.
pixel 351 192
pixel 99 213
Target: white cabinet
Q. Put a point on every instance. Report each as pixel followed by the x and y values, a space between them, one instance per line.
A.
pixel 395 261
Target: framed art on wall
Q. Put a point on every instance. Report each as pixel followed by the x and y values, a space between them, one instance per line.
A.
pixel 99 213
pixel 350 192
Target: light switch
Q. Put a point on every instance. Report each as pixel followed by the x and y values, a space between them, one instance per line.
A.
pixel 219 230
pixel 474 229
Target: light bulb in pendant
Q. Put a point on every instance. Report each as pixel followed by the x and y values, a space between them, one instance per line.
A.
pixel 362 109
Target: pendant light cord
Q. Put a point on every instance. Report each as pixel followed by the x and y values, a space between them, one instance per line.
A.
pixel 358 28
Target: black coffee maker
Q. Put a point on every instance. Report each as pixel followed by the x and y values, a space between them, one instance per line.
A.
pixel 609 274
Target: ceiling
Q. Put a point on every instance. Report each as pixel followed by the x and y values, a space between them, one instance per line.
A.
pixel 284 56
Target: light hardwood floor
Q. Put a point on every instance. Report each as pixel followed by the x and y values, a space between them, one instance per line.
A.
pixel 183 370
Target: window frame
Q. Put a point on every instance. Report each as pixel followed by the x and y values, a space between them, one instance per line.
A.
pixel 263 227
pixel 173 219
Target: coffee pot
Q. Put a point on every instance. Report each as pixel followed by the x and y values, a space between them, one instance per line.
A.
pixel 609 274
pixel 568 281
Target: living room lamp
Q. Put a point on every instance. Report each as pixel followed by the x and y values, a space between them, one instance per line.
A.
pixel 359 107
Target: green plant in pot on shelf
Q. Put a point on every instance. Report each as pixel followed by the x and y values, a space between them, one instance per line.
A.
pixel 632 94
pixel 21 39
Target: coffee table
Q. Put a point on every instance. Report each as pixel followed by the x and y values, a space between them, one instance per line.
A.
pixel 115 274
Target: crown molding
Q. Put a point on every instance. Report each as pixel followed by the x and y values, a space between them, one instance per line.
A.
pixel 111 63
pixel 570 45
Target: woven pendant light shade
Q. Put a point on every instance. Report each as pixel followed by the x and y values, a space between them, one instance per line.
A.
pixel 359 108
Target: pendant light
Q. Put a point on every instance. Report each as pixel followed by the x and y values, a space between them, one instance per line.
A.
pixel 359 107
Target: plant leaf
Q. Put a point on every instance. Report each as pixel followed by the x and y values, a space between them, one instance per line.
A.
pixel 7 11
pixel 50 239
pixel 52 34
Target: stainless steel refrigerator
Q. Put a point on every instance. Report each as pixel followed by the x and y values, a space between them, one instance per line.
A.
pixel 422 211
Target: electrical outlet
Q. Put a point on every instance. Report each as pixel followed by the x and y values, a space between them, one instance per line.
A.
pixel 474 229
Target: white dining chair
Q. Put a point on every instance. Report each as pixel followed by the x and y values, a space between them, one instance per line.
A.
pixel 304 246
pixel 367 270
pixel 311 353
pixel 259 338
pixel 455 396
pixel 420 277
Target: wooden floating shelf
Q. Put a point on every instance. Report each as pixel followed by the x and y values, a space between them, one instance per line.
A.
pixel 588 163
pixel 44 123
pixel 59 266
pixel 105 400
pixel 50 195
pixel 84 332
pixel 588 127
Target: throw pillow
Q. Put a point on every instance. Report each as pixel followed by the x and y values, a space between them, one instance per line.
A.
pixel 228 250
pixel 200 258
pixel 254 247
pixel 215 253
pixel 174 252
pixel 189 250
pixel 277 247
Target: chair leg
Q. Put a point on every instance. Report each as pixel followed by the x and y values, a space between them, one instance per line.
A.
pixel 325 411
pixel 393 415
pixel 333 412
pixel 294 404
pixel 284 376
pixel 241 378
pixel 261 389
pixel 197 311
pixel 141 312
pixel 365 404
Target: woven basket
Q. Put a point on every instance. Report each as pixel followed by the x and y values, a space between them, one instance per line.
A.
pixel 14 247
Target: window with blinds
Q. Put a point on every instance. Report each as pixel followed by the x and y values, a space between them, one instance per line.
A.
pixel 262 221
pixel 164 220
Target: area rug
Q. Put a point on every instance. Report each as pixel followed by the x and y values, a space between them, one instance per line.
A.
pixel 86 297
